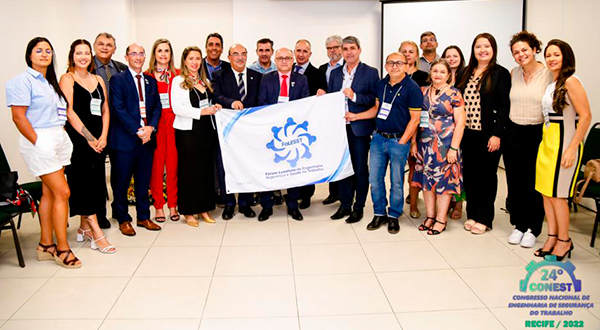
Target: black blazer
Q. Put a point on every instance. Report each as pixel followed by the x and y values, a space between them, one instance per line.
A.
pixel 224 66
pixel 495 103
pixel 316 79
pixel 323 67
pixel 269 88
pixel 226 88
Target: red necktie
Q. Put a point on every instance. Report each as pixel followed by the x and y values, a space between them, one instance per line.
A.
pixel 284 89
pixel 141 94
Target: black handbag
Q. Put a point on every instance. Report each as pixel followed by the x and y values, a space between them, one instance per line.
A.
pixel 8 185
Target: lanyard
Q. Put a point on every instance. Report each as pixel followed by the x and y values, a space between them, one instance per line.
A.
pixel 212 121
pixel 87 88
pixel 384 94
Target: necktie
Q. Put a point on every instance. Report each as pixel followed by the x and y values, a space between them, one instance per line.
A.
pixel 141 94
pixel 298 68
pixel 241 87
pixel 107 72
pixel 283 91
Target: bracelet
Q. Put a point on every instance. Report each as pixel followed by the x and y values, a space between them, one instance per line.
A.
pixel 451 148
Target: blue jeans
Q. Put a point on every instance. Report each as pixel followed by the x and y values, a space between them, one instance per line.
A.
pixel 384 151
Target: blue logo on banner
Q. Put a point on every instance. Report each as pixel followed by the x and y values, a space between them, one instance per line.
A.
pixel 291 142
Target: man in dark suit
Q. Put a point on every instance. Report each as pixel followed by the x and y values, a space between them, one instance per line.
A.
pixel 135 110
pixel 235 88
pixel 358 82
pixel 282 86
pixel 333 44
pixel 317 85
pixel 104 66
pixel 214 48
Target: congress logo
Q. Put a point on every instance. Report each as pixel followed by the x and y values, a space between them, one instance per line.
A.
pixel 291 142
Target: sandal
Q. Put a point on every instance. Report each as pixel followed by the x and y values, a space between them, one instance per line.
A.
pixel 456 214
pixel 415 214
pixel 160 219
pixel 423 226
pixel 175 217
pixel 469 224
pixel 71 264
pixel 44 254
pixel 110 249
pixel 432 231
pixel 479 228
pixel 541 253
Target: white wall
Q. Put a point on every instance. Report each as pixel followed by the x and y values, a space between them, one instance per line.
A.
pixel 187 22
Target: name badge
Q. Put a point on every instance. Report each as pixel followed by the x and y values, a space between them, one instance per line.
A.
pixel 283 99
pixel 204 103
pixel 143 109
pixel 424 119
pixel 546 114
pixel 95 107
pixel 164 100
pixel 384 112
pixel 61 109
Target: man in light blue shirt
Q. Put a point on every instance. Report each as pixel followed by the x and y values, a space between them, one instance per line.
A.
pixel 264 50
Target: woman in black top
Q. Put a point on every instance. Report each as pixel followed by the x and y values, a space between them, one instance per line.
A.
pixel 485 86
pixel 410 50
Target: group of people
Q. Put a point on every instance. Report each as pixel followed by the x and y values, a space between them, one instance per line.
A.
pixel 450 120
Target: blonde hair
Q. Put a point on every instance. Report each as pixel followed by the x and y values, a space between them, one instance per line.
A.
pixel 152 64
pixel 414 44
pixel 188 83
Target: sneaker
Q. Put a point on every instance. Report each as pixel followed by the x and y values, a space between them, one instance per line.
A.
pixel 528 240
pixel 515 237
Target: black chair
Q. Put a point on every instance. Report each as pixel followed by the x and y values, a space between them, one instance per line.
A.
pixel 591 150
pixel 6 222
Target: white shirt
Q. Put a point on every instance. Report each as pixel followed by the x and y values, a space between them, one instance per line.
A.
pixel 348 77
pixel 244 78
pixel 142 82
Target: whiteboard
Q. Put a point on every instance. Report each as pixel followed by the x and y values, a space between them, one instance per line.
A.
pixel 454 23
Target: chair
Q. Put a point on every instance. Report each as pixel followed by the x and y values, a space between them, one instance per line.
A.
pixel 591 150
pixel 6 222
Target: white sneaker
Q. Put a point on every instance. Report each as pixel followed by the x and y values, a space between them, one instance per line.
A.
pixel 528 240
pixel 515 237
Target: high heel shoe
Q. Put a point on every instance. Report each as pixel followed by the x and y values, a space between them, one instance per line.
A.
pixel 71 264
pixel 560 258
pixel 109 249
pixel 44 254
pixel 207 218
pixel 191 221
pixel 81 236
pixel 541 253
pixel 423 226
pixel 432 231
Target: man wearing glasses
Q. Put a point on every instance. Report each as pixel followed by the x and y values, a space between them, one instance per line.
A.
pixel 135 110
pixel 397 112
pixel 282 86
pixel 429 46
pixel 358 82
pixel 235 88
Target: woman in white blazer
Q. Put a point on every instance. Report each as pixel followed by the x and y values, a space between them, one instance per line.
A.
pixel 195 137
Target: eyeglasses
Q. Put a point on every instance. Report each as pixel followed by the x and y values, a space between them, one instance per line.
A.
pixel 39 51
pixel 137 54
pixel 239 55
pixel 333 47
pixel 395 63
pixel 284 59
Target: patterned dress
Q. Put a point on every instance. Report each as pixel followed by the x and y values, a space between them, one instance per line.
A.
pixel 432 171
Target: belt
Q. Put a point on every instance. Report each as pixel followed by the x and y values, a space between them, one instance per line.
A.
pixel 390 135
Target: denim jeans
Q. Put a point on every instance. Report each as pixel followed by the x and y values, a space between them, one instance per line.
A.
pixel 384 151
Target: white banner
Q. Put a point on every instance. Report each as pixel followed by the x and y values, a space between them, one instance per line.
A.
pixel 285 145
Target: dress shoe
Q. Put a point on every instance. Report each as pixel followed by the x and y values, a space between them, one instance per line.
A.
pixel 148 224
pixel 355 216
pixel 277 198
pixel 255 199
pixel 305 204
pixel 247 211
pixel 393 226
pixel 340 213
pixel 377 222
pixel 330 200
pixel 228 212
pixel 295 213
pixel 126 228
pixel 265 214
pixel 104 223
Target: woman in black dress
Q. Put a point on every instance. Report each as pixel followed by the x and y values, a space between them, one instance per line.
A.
pixel 88 128
pixel 195 137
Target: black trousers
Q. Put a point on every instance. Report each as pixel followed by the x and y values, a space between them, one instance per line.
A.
pixel 480 176
pixel 357 184
pixel 525 204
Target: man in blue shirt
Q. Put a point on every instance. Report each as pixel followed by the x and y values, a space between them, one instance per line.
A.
pixel 264 51
pixel 214 49
pixel 397 111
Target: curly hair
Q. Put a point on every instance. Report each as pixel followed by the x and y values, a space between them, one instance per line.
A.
pixel 527 37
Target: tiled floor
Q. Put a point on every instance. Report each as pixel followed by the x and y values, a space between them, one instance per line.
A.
pixel 283 274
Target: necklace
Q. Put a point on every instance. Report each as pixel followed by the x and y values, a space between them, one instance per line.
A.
pixel 530 76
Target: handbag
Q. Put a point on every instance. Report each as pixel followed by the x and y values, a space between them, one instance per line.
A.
pixel 591 172
pixel 8 185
